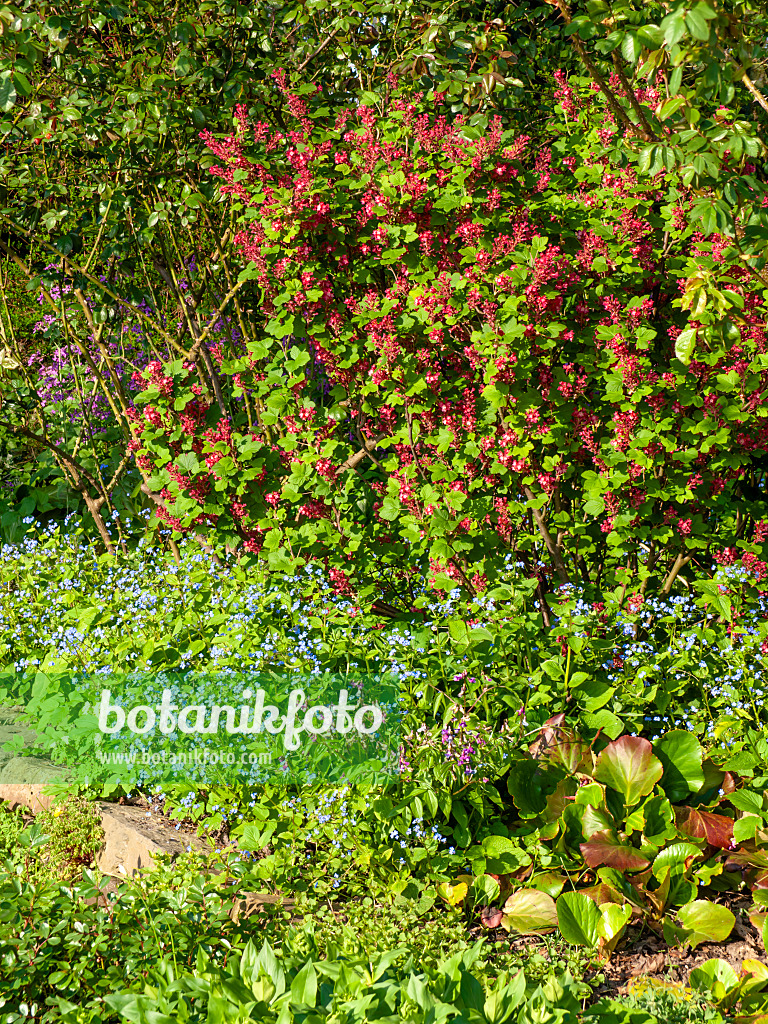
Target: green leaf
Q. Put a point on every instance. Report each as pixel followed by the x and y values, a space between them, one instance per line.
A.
pixel 631 47
pixel 747 800
pixel 670 106
pixel 613 920
pixel 390 508
pixel 746 828
pixel 703 921
pixel 629 766
pixel 742 762
pixel 681 755
pixel 254 838
pixel 658 818
pixel 710 975
pixel 550 882
pixel 270 965
pixel 578 918
pixel 484 889
pixel 304 986
pixel 674 859
pixel 605 720
pixel 458 630
pixel 501 1000
pixel 528 786
pixel 22 83
pixel 496 846
pixel 7 91
pixel 673 28
pixel 697 25
pixel 188 463
pixel 417 991
pixel 685 344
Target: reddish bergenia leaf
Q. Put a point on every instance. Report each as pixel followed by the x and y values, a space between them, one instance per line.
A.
pixel 746 857
pixel 715 828
pixel 560 798
pixel 490 917
pixel 556 720
pixel 547 736
pixel 572 753
pixel 730 782
pixel 529 912
pixel 505 881
pixel 604 893
pixel 606 849
pixel 560 746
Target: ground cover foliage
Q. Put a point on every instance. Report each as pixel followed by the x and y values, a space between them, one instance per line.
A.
pixel 367 340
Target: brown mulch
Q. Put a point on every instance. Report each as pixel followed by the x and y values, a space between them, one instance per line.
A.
pixel 649 954
pixel 645 953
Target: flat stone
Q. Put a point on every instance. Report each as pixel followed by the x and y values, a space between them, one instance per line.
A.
pixel 29 796
pixel 132 840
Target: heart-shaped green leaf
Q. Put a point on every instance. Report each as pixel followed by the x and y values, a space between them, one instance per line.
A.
pixel 714 976
pixel 681 756
pixel 703 921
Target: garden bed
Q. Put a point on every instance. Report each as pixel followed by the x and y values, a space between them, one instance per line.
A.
pixel 648 956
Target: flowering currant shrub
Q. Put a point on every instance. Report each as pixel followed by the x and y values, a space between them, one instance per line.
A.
pixel 474 342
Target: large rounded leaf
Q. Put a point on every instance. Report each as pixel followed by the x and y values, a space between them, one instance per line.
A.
pixel 703 921
pixel 674 859
pixel 529 912
pixel 550 882
pixel 629 766
pixel 682 757
pixel 715 977
pixel 578 919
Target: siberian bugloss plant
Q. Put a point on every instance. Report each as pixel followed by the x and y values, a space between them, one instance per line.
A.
pixel 473 345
